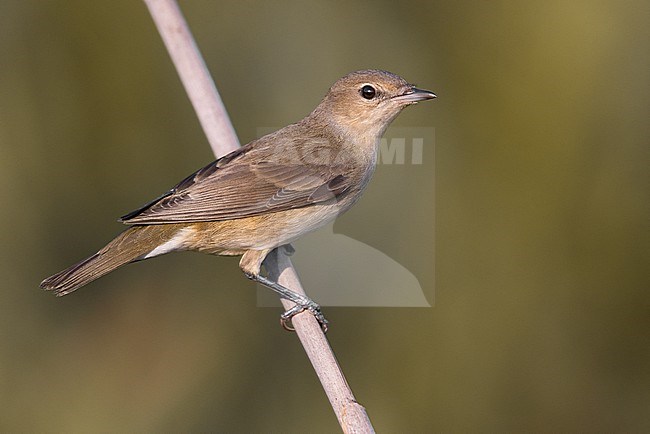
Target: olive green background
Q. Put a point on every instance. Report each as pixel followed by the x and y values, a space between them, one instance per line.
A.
pixel 540 217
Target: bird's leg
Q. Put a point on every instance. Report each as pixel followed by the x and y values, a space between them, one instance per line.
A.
pixel 251 263
pixel 302 303
pixel 288 249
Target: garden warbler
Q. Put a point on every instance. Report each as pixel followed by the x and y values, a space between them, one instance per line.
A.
pixel 266 193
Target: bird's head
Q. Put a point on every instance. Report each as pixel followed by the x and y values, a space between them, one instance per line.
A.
pixel 363 103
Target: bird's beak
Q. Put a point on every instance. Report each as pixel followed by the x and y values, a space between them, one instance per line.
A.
pixel 414 95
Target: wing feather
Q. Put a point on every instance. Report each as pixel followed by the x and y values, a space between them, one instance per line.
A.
pixel 236 186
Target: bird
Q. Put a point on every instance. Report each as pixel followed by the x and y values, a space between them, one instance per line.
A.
pixel 267 193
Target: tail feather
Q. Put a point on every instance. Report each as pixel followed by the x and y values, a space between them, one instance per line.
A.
pixel 129 246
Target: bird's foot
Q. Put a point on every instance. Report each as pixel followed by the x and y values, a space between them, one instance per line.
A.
pixel 311 306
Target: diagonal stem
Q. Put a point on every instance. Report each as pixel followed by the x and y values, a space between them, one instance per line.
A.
pixel 194 75
pixel 217 126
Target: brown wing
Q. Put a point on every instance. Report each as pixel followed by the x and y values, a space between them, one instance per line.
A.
pixel 232 188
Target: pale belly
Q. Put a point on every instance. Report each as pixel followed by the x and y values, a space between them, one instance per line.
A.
pixel 234 237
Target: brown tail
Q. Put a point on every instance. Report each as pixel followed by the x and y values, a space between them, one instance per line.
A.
pixel 129 246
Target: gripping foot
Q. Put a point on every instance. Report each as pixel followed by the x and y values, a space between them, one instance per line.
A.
pixel 302 303
pixel 285 318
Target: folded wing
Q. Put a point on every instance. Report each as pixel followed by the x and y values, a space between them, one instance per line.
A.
pixel 236 187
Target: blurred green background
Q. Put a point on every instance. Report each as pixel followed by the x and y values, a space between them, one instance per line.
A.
pixel 541 318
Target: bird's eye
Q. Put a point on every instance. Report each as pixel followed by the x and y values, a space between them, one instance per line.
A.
pixel 368 92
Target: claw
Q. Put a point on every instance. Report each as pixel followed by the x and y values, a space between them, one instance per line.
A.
pixel 286 324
